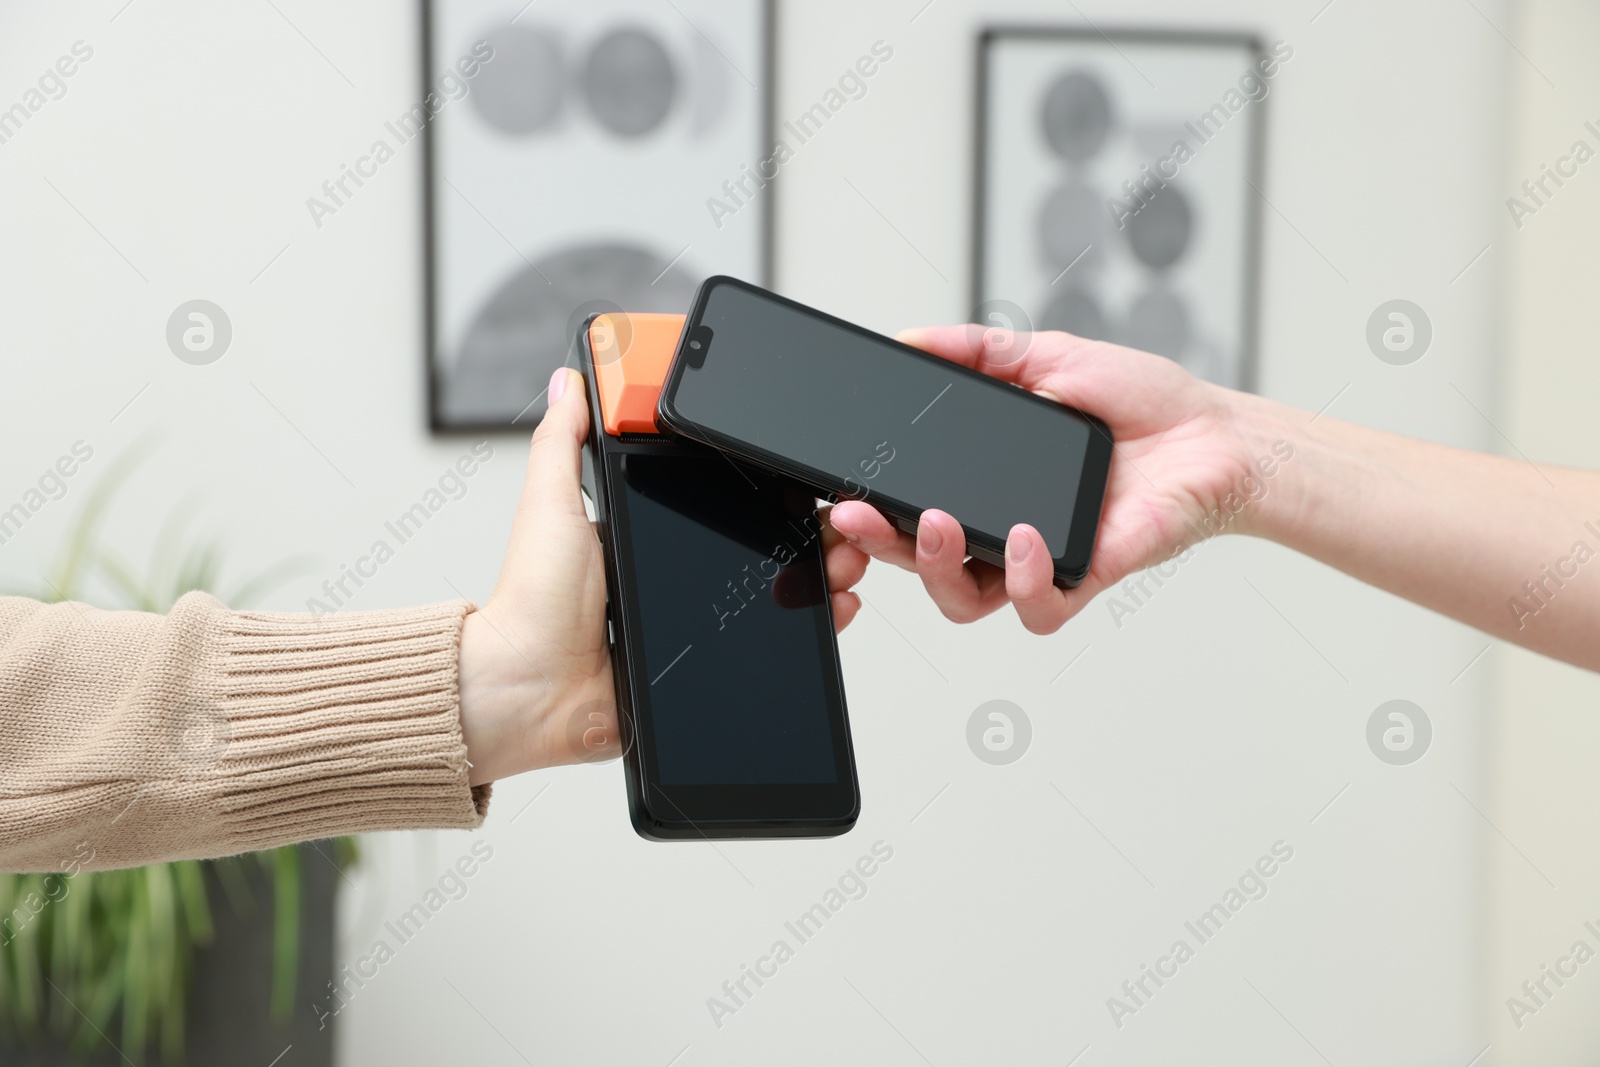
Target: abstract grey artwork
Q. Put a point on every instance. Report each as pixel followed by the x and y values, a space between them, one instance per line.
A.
pixel 569 173
pixel 1117 189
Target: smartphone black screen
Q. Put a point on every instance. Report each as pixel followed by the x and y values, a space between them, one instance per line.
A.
pixel 733 625
pixel 866 417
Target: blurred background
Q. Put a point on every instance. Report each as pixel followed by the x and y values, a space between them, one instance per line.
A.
pixel 344 355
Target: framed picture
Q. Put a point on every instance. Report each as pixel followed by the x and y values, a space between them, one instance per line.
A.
pixel 1117 189
pixel 582 156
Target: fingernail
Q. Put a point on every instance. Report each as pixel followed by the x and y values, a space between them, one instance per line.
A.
pixel 928 538
pixel 850 537
pixel 558 385
pixel 1018 546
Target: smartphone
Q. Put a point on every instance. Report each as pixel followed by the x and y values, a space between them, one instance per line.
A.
pixel 861 416
pixel 728 682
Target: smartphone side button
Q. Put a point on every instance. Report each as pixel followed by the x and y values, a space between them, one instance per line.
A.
pixel 611 633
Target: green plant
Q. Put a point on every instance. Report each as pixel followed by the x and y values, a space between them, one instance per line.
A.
pixel 105 945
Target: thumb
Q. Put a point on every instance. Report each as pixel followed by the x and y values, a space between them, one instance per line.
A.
pixel 555 458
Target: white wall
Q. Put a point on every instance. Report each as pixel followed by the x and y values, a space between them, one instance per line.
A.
pixel 1545 732
pixel 1177 750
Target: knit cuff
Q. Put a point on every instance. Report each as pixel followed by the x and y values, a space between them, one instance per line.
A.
pixel 340 724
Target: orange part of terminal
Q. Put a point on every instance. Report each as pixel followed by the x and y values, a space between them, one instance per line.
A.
pixel 632 354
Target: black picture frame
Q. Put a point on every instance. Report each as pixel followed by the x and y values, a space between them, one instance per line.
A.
pixel 988 36
pixel 438 424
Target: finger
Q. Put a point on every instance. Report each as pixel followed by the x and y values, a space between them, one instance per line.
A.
pixel 555 458
pixel 846 565
pixel 865 527
pixel 845 608
pixel 840 574
pixel 964 593
pixel 830 536
pixel 1029 583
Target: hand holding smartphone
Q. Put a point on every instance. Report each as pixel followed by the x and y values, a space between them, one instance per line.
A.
pixel 858 415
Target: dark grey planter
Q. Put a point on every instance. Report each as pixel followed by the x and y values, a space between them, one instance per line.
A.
pixel 229 1021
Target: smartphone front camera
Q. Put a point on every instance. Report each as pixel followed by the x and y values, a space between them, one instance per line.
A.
pixel 699 342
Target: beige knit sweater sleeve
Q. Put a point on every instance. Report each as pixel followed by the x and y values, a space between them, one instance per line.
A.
pixel 130 738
